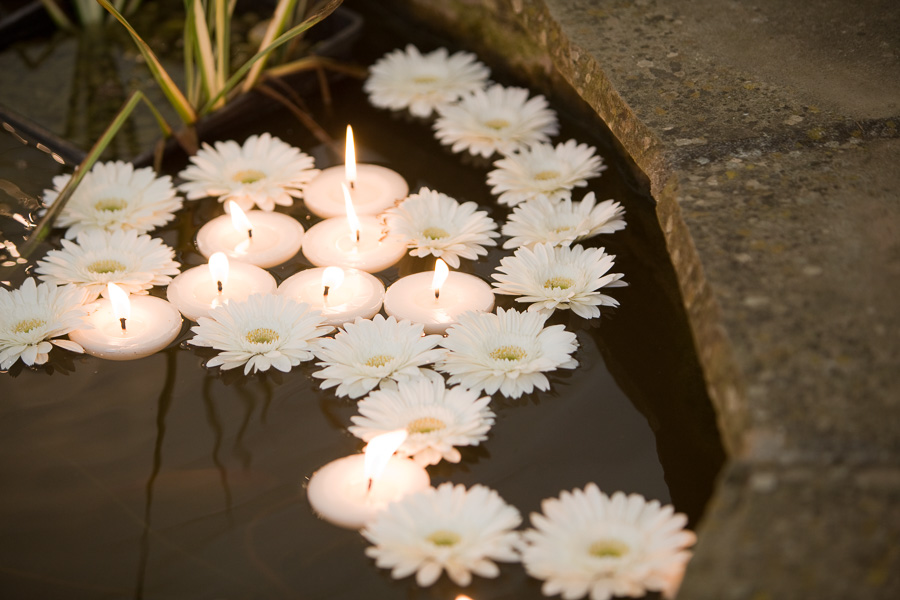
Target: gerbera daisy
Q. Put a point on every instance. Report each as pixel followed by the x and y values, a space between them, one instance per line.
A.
pixel 542 171
pixel 447 528
pixel 408 79
pixel 559 277
pixel 115 195
pixel 265 330
pixel 264 171
pixel 369 353
pixel 498 119
pixel 434 223
pixel 134 262
pixel 508 351
pixel 586 543
pixel 561 223
pixel 34 314
pixel 437 419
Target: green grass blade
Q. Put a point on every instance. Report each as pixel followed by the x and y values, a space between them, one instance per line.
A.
pixel 57 15
pixel 204 48
pixel 223 43
pixel 284 11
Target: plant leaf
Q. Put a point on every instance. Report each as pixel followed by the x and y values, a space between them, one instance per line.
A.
pixel 282 15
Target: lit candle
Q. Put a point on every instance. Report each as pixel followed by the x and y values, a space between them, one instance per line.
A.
pixel 200 289
pixel 352 242
pixel 125 328
pixel 436 299
pixel 262 238
pixel 351 490
pixel 373 188
pixel 340 295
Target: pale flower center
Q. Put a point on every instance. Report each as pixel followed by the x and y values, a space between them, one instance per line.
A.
pixel 110 204
pixel 563 229
pixel 508 353
pixel 562 283
pixel 425 425
pixel 105 265
pixel 442 537
pixel 379 360
pixel 610 548
pixel 545 175
pixel 248 176
pixel 262 335
pixel 29 325
pixel 497 124
pixel 424 79
pixel 435 233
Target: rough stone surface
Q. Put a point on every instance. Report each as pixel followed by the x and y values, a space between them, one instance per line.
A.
pixel 769 134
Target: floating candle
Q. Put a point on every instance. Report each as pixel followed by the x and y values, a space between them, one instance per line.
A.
pixel 262 238
pixel 125 328
pixel 340 295
pixel 373 188
pixel 200 289
pixel 436 299
pixel 351 490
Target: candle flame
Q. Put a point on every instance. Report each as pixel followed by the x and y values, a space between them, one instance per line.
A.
pixel 352 219
pixel 332 279
pixel 239 218
pixel 121 306
pixel 350 159
pixel 441 272
pixel 462 597
pixel 379 452
pixel 218 269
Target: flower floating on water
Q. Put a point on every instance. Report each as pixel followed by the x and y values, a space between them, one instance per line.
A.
pixel 113 196
pixel 369 353
pixel 447 528
pixel 561 223
pixel 508 351
pixel 587 543
pixel 134 262
pixel 408 79
pixel 560 277
pixel 437 419
pixel 264 171
pixel 498 119
pixel 434 223
pixel 544 171
pixel 31 316
pixel 265 330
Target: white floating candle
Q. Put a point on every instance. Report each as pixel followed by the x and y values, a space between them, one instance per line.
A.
pixel 200 289
pixel 373 188
pixel 262 238
pixel 436 299
pixel 352 242
pixel 358 294
pixel 351 490
pixel 125 328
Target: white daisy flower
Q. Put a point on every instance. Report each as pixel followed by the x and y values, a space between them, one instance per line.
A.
pixel 434 223
pixel 113 196
pixel 437 419
pixel 380 351
pixel 544 171
pixel 498 119
pixel 561 223
pixel 508 351
pixel 134 262
pixel 408 79
pixel 264 171
pixel 447 528
pixel 559 277
pixel 34 314
pixel 265 330
pixel 586 543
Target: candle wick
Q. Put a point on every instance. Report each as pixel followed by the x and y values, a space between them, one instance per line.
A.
pixel 369 486
pixel 357 236
pixel 219 286
pixel 437 294
pixel 122 321
pixel 352 184
pixel 250 233
pixel 325 295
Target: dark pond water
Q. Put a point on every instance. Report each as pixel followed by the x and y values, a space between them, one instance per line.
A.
pixel 157 478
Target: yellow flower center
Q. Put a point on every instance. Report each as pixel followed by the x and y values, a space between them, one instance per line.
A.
pixel 425 79
pixel 248 176
pixel 29 325
pixel 442 537
pixel 562 283
pixel 497 124
pixel 262 335
pixel 435 233
pixel 563 229
pixel 379 360
pixel 608 549
pixel 508 353
pixel 425 425
pixel 106 265
pixel 110 204
pixel 545 175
